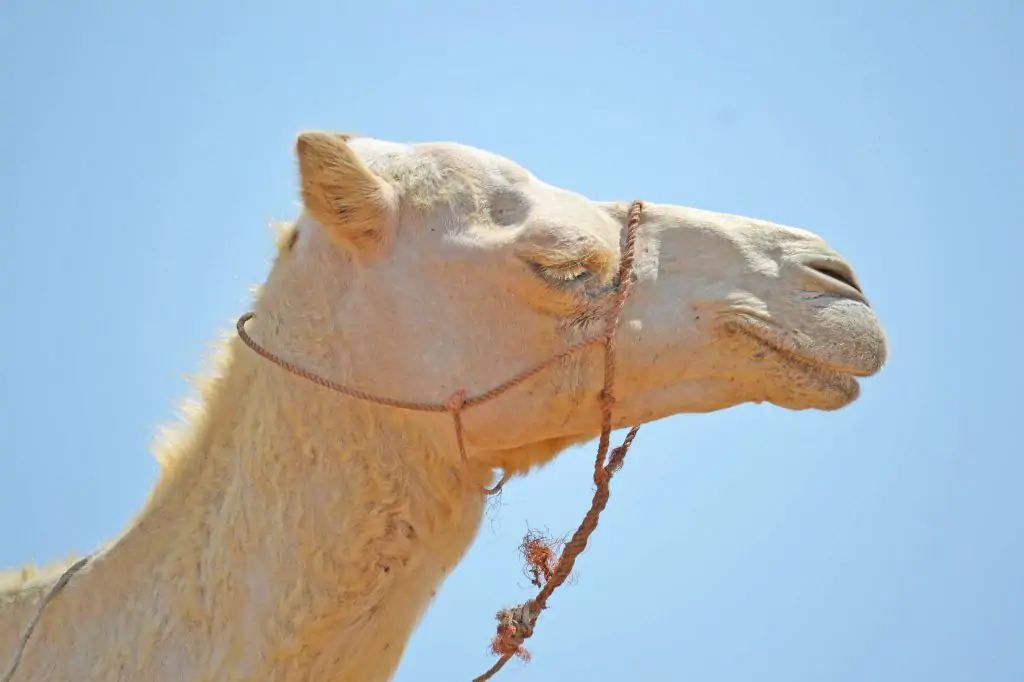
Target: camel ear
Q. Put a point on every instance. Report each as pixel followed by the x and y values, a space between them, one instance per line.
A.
pixel 351 203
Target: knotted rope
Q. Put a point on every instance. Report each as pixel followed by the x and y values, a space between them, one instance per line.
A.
pixel 516 625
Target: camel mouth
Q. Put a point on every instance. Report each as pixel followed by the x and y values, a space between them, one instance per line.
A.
pixel 837 385
pixel 816 355
pixel 842 387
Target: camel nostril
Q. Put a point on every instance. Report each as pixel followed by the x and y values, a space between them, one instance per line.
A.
pixel 837 272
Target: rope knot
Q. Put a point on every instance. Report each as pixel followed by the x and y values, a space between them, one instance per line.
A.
pixel 616 460
pixel 515 626
pixel 456 402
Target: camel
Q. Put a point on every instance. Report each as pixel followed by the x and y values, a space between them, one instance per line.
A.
pixel 299 533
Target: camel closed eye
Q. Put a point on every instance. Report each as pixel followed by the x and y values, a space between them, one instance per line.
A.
pixel 562 274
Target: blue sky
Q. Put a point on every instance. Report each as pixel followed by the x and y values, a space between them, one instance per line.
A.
pixel 146 147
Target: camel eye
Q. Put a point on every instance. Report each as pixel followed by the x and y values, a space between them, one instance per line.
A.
pixel 562 274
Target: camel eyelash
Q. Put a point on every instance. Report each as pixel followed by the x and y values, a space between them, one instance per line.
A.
pixel 562 273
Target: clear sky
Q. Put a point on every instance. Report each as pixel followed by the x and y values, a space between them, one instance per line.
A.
pixel 146 145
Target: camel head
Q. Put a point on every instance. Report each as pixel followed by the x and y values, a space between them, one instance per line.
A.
pixel 417 270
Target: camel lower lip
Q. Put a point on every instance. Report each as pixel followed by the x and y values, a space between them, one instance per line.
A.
pixel 838 381
pixel 807 361
pixel 841 382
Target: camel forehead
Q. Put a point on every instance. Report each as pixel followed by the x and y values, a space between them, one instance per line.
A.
pixel 446 170
pixel 488 166
pixel 480 163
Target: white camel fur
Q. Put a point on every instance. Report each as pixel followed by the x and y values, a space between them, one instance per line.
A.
pixel 298 534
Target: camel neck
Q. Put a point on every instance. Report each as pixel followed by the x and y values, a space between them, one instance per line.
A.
pixel 292 535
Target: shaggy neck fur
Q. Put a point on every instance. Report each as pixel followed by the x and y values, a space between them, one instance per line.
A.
pixel 294 535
